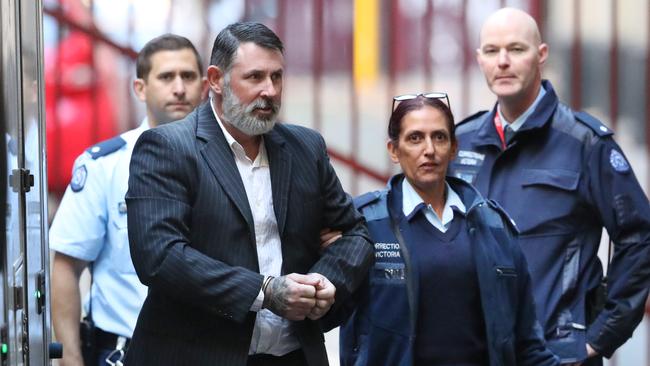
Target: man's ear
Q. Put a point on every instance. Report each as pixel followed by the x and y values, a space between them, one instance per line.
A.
pixel 543 53
pixel 140 89
pixel 478 55
pixel 215 79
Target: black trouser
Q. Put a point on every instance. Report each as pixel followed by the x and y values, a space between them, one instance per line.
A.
pixel 594 361
pixel 106 346
pixel 295 358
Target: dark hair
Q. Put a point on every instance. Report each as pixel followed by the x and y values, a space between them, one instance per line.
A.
pixel 227 42
pixel 166 42
pixel 404 107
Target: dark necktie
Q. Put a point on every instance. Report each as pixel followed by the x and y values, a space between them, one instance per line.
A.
pixel 508 134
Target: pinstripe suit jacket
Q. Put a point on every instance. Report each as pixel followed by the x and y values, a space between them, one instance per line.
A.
pixel 192 239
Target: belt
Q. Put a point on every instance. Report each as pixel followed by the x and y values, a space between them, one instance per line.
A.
pixel 108 341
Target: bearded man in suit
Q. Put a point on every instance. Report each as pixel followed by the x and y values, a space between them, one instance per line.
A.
pixel 225 208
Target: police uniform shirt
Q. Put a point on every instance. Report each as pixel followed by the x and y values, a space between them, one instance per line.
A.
pixel 412 202
pixel 519 121
pixel 90 225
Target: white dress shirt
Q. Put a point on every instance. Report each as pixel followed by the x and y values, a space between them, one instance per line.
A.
pixel 272 334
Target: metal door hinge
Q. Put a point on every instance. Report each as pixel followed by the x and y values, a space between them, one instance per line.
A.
pixel 21 180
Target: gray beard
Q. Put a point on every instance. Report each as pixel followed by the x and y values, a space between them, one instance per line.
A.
pixel 241 117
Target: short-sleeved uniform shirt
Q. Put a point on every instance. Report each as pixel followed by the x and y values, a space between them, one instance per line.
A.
pixel 91 225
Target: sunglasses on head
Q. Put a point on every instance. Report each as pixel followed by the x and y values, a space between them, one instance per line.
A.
pixel 433 95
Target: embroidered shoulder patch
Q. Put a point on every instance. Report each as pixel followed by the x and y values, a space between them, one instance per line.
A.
pixel 618 162
pixel 78 178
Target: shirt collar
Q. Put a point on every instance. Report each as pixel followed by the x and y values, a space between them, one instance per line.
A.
pixel 517 123
pixel 261 160
pixel 144 124
pixel 412 202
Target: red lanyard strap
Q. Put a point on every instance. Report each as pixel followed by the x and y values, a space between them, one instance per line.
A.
pixel 499 126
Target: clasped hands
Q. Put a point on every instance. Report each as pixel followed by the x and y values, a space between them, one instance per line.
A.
pixel 297 296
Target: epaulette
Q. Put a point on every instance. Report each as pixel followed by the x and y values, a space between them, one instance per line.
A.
pixel 106 147
pixel 473 116
pixel 497 207
pixel 592 122
pixel 365 199
pixel 373 205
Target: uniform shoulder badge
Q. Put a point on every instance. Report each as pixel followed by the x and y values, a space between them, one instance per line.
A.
pixel 79 176
pixel 106 147
pixel 618 162
pixel 592 122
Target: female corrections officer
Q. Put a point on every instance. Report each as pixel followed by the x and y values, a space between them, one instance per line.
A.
pixel 449 285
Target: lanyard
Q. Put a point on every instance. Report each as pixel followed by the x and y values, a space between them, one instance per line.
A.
pixel 499 126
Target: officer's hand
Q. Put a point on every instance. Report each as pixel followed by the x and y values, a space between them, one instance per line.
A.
pixel 591 352
pixel 292 296
pixel 327 237
pixel 325 292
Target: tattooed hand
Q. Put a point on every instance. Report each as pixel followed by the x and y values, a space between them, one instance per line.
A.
pixel 292 296
pixel 325 292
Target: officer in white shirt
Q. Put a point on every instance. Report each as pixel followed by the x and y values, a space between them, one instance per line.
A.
pixel 90 226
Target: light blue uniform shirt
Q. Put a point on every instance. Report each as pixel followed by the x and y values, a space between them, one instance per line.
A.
pixel 516 124
pixel 90 225
pixel 412 200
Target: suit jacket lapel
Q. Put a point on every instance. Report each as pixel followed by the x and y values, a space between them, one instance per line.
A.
pixel 280 167
pixel 221 161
